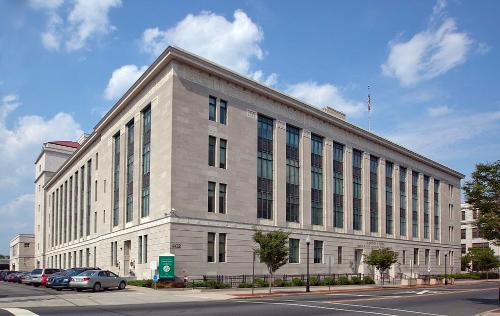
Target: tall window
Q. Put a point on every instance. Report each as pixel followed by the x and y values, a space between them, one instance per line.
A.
pixel 222 198
pixel 139 250
pixel 222 247
pixel 75 211
pixel 89 193
pixel 65 212
pixel 339 255
pixel 212 104
pixel 265 168
pixel 142 249
pixel 222 153
pixel 402 201
pixel 146 160
pixel 223 112
pixel 338 185
pixel 130 172
pixel 82 198
pixel 145 248
pixel 292 174
pixel 437 210
pixel 356 187
pixel 293 246
pixel 318 251
pixel 211 150
pixel 373 194
pixel 116 180
pixel 414 204
pixel 211 247
pixel 426 207
pixel 211 197
pixel 53 220
pixel 316 180
pixel 389 222
pixel 61 197
pixel 70 208
pixel 415 256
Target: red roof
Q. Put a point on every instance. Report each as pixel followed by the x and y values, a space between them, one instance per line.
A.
pixel 66 143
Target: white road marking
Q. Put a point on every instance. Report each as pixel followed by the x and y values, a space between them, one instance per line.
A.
pixel 347 294
pixel 20 312
pixel 319 307
pixel 387 308
pixel 423 292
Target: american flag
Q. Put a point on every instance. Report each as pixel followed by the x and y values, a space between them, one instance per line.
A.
pixel 369 103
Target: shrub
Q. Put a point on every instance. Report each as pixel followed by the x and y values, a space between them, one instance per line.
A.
pixel 212 284
pixel 261 282
pixel 343 280
pixel 314 281
pixel 328 281
pixel 245 285
pixel 368 280
pixel 279 283
pixel 141 283
pixel 297 282
pixel 356 280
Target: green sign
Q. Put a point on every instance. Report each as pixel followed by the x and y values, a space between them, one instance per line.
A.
pixel 166 267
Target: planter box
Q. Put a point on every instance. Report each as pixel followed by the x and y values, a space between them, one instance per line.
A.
pixel 436 281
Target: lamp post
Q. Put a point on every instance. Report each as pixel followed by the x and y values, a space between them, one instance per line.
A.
pixel 308 242
pixel 445 269
pixel 253 272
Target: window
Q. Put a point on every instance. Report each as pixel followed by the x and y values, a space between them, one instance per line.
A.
pixel 26 245
pixel 415 256
pixel 223 112
pixel 142 249
pixel 475 232
pixel 356 187
pixel 402 201
pixel 292 174
pixel 316 180
pixel 146 163
pixel 87 257
pixel 388 198
pixel 426 207
pixel 75 222
pixel 414 204
pixel 265 168
pixel 53 220
pixel 211 150
pixel 426 254
pixel 96 161
pixel 70 208
pixel 222 153
pixel 463 233
pixel 437 210
pixel 222 198
pixel 95 222
pixel 338 185
pixel 339 255
pixel 65 214
pixel 373 194
pixel 318 251
pixel 404 257
pixel 116 180
pixel 211 108
pixel 293 246
pixel 139 250
pixel 211 247
pixel 463 249
pixel 463 215
pixel 129 214
pixel 95 191
pixel 80 259
pixel 222 247
pixel 89 193
pixel 450 191
pixel 114 253
pixel 438 257
pixel 450 211
pixel 211 197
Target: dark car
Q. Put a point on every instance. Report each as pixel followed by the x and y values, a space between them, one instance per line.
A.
pixel 60 282
pixel 39 276
pixel 51 277
pixel 3 274
pixel 11 277
pixel 19 276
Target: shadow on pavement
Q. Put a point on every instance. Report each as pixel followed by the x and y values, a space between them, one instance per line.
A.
pixel 485 301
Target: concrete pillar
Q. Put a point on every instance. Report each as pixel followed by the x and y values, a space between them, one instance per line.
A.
pixel 365 205
pixel 305 179
pixel 279 182
pixel 396 202
pixel 420 206
pixel 382 198
pixel 328 184
pixel 348 191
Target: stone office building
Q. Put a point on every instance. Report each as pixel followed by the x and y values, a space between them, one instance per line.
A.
pixel 22 253
pixel 194 156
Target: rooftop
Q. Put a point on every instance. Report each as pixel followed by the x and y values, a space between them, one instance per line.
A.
pixel 66 143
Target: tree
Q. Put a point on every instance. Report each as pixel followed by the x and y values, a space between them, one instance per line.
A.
pixel 465 262
pixel 382 259
pixel 272 250
pixel 482 192
pixel 483 259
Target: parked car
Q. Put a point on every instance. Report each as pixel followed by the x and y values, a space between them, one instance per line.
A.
pixel 4 274
pixel 26 279
pixel 97 280
pixel 39 276
pixel 18 276
pixel 51 277
pixel 61 281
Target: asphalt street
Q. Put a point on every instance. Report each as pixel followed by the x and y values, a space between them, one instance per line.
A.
pixel 453 301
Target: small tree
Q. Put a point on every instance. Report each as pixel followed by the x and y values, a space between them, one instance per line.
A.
pixel 483 259
pixel 272 250
pixel 382 259
pixel 482 192
pixel 465 262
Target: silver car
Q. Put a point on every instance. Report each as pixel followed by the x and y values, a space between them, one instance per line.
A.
pixel 97 280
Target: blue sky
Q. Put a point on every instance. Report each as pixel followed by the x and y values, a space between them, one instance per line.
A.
pixel 432 67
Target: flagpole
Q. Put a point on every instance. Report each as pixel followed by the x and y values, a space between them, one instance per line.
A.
pixel 369 110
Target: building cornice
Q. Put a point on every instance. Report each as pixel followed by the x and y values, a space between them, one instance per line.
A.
pixel 174 53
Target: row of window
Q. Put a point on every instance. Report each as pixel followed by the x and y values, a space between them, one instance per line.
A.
pixel 212 197
pixel 265 185
pixel 212 110
pixel 212 148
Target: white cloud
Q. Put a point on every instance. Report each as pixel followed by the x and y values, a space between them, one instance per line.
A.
pixel 270 80
pixel 86 19
pixel 322 95
pixel 230 43
pixel 24 202
pixel 439 136
pixel 438 110
pixel 121 79
pixel 429 53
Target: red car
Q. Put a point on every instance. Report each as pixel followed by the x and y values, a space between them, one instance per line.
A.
pixel 12 277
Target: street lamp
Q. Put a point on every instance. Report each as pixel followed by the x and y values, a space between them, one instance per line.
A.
pixel 308 242
pixel 445 270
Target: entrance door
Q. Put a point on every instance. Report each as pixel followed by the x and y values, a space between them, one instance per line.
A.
pixel 126 257
pixel 358 255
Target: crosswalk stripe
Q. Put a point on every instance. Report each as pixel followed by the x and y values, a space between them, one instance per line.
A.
pixel 19 312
